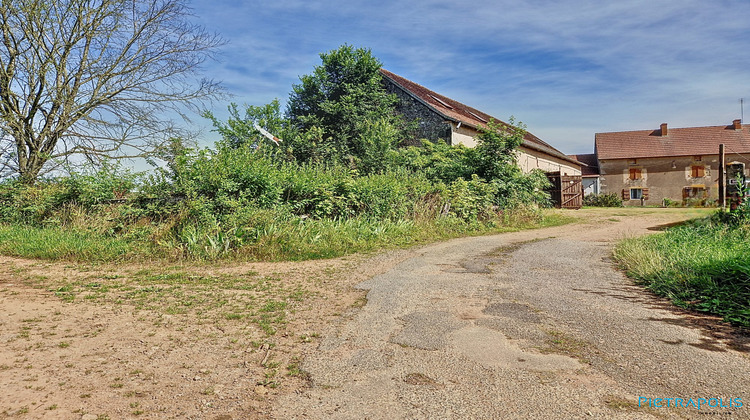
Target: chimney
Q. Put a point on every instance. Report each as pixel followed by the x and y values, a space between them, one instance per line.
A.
pixel 737 124
pixel 663 129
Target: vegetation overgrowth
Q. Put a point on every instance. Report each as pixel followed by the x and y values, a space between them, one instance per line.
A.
pixel 237 203
pixel 702 265
pixel 603 200
pixel 339 182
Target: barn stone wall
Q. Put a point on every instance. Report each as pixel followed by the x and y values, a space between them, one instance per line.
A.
pixel 430 124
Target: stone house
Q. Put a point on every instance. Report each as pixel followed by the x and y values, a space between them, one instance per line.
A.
pixel 679 164
pixel 440 117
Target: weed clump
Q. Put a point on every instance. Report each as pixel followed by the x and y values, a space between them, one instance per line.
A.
pixel 702 266
pixel 602 200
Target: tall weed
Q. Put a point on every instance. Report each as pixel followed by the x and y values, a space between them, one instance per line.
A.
pixel 702 266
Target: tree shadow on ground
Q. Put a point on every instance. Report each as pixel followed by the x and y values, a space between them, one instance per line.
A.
pixel 716 334
pixel 666 226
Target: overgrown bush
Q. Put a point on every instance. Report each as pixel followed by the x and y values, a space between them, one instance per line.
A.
pixel 602 200
pixel 338 167
pixel 45 201
pixel 235 201
pixel 437 161
pixel 235 197
pixel 20 203
pixel 99 186
pixel 519 190
pixel 470 200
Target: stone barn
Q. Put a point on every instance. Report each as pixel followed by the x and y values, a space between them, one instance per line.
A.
pixel 440 117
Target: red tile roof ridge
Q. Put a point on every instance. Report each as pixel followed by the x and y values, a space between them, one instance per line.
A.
pixel 683 141
pixel 726 126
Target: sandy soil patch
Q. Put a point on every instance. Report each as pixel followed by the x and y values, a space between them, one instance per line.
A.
pixel 148 341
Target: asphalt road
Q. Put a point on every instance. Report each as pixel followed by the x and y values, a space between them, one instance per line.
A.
pixel 528 325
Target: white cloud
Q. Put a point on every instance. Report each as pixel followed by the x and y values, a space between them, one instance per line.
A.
pixel 563 67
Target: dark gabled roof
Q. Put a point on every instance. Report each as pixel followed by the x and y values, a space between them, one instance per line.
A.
pixel 677 142
pixel 457 112
pixel 590 165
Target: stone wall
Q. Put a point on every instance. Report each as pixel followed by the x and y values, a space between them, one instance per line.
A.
pixel 665 177
pixel 430 124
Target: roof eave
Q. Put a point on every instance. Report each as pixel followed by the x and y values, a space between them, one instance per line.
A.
pixel 561 156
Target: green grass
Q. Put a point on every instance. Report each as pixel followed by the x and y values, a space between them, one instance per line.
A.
pixel 702 265
pixel 315 239
pixel 277 239
pixel 54 243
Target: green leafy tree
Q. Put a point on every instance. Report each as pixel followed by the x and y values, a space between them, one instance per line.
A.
pixel 495 160
pixel 347 107
pixel 495 154
pixel 239 129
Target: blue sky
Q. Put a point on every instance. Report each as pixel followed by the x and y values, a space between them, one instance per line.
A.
pixel 567 69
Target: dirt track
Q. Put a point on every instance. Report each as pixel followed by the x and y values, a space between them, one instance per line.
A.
pixel 483 327
pixel 534 324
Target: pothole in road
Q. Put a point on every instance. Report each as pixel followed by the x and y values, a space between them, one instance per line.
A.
pixel 427 330
pixel 472 266
pixel 492 349
pixel 514 310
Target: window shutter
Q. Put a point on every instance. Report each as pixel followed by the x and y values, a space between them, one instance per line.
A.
pixel 685 192
pixel 635 173
pixel 645 193
pixel 701 171
pixel 626 193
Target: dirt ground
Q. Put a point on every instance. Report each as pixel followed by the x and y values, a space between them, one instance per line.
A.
pixel 115 342
pixel 195 342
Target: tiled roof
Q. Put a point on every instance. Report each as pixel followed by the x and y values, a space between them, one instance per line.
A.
pixel 677 142
pixel 590 165
pixel 458 112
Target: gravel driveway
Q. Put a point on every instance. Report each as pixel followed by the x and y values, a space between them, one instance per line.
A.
pixel 528 325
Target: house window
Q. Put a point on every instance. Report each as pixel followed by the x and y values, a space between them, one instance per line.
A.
pixel 633 161
pixel 635 193
pixel 635 173
pixel 697 158
pixel 697 171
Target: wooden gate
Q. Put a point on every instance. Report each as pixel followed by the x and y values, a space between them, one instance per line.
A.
pixel 566 190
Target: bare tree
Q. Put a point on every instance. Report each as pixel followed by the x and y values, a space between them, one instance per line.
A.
pixel 98 78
